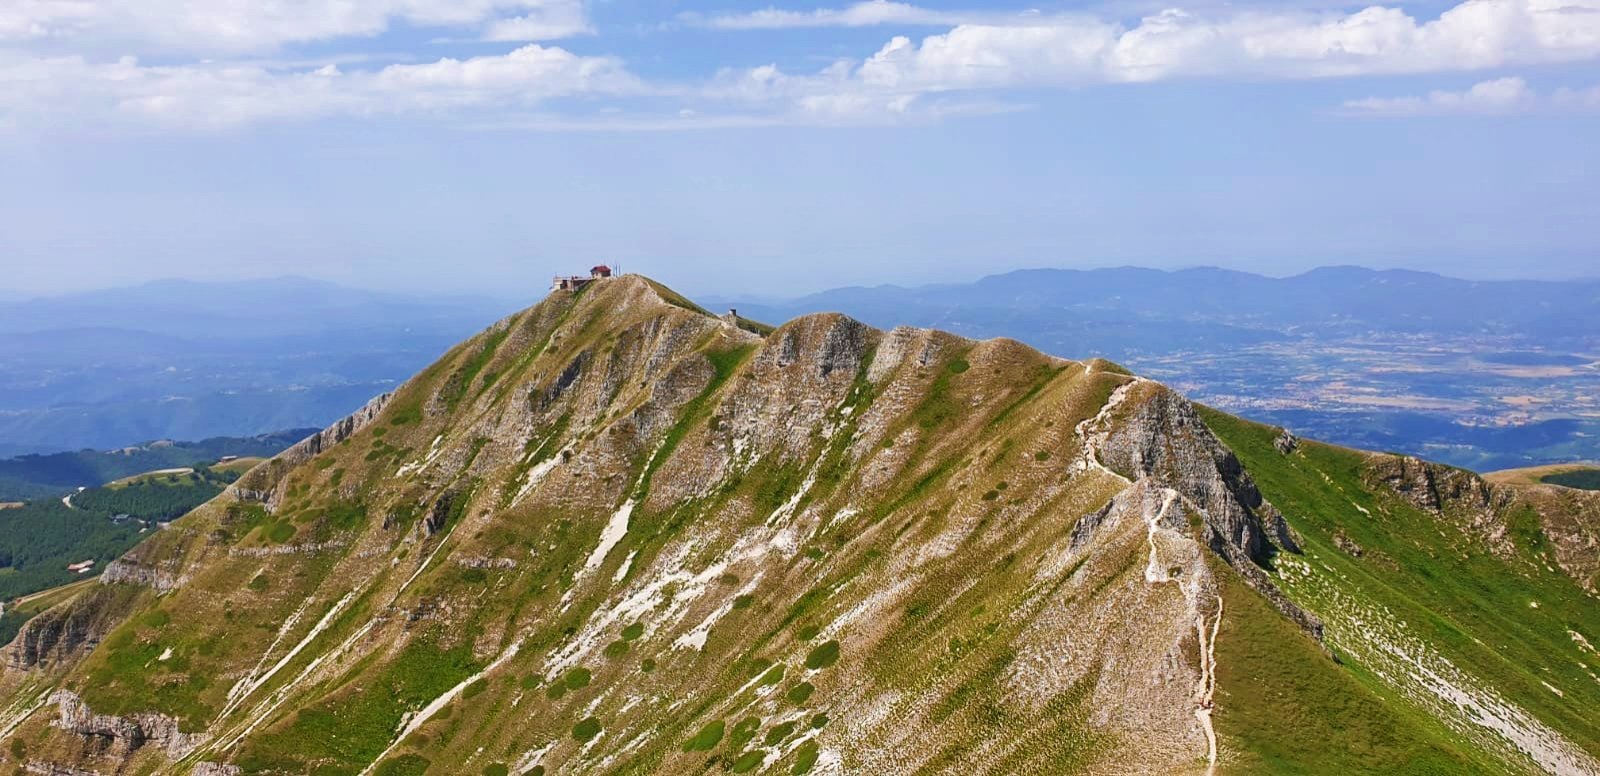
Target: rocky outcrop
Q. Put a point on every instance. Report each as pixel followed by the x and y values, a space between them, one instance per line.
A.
pixel 62 634
pixel 1156 434
pixel 217 769
pixel 1568 521
pixel 308 548
pixel 122 735
pixel 1161 436
pixel 439 514
pixel 261 483
pixel 1428 486
pixel 54 636
pixel 127 571
pixel 480 562
pixel 341 430
pixel 1087 526
pixel 1286 442
pixel 53 769
pixel 546 397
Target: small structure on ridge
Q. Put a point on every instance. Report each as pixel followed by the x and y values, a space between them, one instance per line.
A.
pixel 575 282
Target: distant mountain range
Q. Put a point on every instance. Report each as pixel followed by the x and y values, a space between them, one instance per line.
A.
pixel 1127 311
pixel 187 360
pixel 252 309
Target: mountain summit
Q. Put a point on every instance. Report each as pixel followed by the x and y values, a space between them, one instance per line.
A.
pixel 615 533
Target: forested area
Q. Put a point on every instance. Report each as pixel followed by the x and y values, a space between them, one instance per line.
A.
pixel 39 539
pixel 157 496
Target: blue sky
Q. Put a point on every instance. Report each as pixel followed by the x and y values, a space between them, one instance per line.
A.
pixel 480 145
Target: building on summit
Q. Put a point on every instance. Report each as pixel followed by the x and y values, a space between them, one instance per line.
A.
pixel 575 282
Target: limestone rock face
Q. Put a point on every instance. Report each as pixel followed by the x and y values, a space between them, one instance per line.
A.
pixel 1428 485
pixel 121 735
pixel 1156 434
pixel 129 571
pixel 1160 436
pixel 1569 519
pixel 217 769
pixel 1286 442
pixel 261 483
pixel 53 636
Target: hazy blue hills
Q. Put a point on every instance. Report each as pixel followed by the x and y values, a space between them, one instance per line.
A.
pixel 35 476
pixel 189 360
pixel 263 308
pixel 1330 298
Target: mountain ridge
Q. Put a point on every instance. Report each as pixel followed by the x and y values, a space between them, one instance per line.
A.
pixel 613 517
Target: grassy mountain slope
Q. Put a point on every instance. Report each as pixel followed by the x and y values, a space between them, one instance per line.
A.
pixel 615 534
pixel 1460 608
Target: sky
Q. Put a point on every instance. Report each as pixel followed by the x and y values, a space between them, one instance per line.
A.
pixel 483 145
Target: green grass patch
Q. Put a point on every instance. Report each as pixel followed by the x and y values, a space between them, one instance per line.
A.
pixel 800 693
pixel 823 656
pixel 1288 708
pixel 773 676
pixel 778 733
pixel 586 729
pixel 356 724
pixel 744 732
pixel 748 761
pixel 404 765
pixel 805 757
pixel 707 738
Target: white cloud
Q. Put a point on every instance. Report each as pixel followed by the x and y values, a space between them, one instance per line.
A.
pixel 73 91
pixel 1061 52
pixel 1576 99
pixel 1176 44
pixel 1502 95
pixel 552 21
pixel 239 26
pixel 955 72
pixel 863 14
pixel 1499 97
